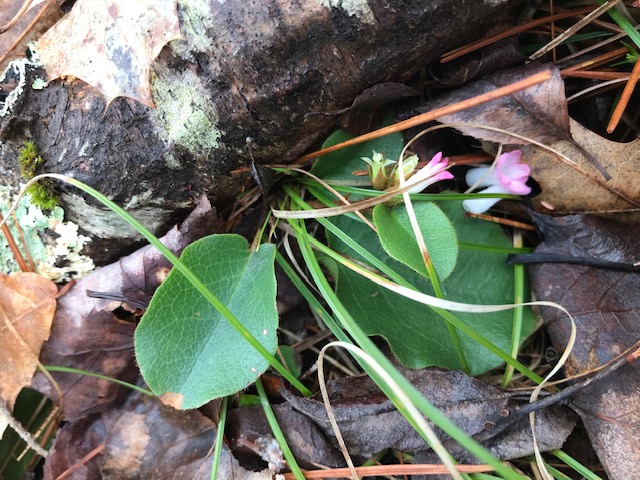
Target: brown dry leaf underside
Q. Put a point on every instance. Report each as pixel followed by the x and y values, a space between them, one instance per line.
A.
pixel 606 310
pixel 27 306
pixel 111 44
pixel 580 187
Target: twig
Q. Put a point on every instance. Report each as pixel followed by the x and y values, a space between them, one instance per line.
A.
pixel 599 60
pixel 14 247
pixel 501 221
pixel 26 30
pixel 81 462
pixel 379 470
pixel 459 52
pixel 16 18
pixel 25 435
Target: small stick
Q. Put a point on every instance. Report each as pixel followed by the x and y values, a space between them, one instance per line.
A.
pixel 624 98
pixel 381 470
pixel 599 60
pixel 432 115
pixel 501 221
pixel 606 76
pixel 29 439
pixel 26 30
pixel 81 462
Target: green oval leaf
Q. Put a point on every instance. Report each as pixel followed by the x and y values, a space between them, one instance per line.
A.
pixel 398 240
pixel 185 346
pixel 416 334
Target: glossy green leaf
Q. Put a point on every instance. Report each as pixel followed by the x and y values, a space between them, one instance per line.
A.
pixel 416 335
pixel 398 240
pixel 185 346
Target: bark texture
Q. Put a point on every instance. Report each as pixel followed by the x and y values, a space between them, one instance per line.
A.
pixel 244 70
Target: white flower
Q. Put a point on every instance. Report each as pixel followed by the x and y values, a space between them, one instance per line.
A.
pixel 508 176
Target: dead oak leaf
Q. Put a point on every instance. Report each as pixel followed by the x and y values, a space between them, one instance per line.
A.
pixel 111 44
pixel 27 306
pixel 579 187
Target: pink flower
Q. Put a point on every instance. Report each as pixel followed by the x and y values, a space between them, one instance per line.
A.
pixel 431 173
pixel 508 175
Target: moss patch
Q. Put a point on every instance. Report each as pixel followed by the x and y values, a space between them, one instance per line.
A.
pixel 42 193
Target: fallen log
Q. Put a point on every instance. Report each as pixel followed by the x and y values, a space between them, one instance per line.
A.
pixel 239 85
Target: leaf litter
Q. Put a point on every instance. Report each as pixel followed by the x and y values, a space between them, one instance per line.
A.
pixel 601 176
pixel 102 341
pixel 110 45
pixel 141 438
pixel 605 306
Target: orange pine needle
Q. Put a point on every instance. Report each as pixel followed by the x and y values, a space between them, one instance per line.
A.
pixel 459 52
pixel 624 98
pixel 379 470
pixel 593 75
pixel 14 248
pixel 439 112
pixel 501 221
pixel 26 30
pixel 599 60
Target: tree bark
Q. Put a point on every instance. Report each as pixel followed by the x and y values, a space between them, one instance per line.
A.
pixel 236 87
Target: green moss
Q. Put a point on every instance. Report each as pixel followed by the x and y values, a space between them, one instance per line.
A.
pixel 42 193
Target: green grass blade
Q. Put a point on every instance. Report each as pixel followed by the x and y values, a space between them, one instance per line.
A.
pixel 54 368
pixel 217 451
pixel 368 346
pixel 277 432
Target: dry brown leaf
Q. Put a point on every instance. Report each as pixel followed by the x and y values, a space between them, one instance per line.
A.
pixel 13 43
pixel 580 187
pixel 141 438
pixel 539 112
pixel 27 306
pixel 369 422
pixel 111 45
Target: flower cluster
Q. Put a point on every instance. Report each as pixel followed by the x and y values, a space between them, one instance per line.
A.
pixel 508 175
pixel 383 177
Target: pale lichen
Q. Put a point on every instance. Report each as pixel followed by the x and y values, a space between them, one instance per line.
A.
pixel 195 20
pixel 53 244
pixel 354 8
pixel 187 117
pixel 103 223
pixel 18 70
